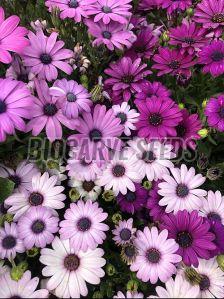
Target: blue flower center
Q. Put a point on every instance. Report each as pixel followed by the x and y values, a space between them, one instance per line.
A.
pixel 130 196
pixel 184 239
pixel 123 117
pixel 84 224
pixel 217 56
pixel 73 4
pixel 204 283
pixel 125 234
pixel 38 227
pixel 95 135
pixel 174 64
pixel 71 97
pixel 182 190
pixel 107 34
pixel 153 255
pixel 45 58
pixel 214 216
pixel 148 157
pixel 3 107
pixel 50 109
pixel 155 119
pixel 71 262
pixel 8 242
pixel 118 170
pixel 106 9
pixel 36 199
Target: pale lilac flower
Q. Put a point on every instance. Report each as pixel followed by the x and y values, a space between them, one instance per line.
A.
pixel 128 295
pixel 124 232
pixel 213 206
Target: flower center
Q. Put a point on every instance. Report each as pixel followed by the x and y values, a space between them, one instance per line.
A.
pixel 106 9
pixel 189 40
pixel 71 97
pixel 45 58
pixel 128 79
pixel 153 255
pixel 16 180
pixel 95 135
pixel 182 190
pixel 174 64
pixel 123 117
pixel 36 199
pixel 3 107
pixel 38 227
pixel 184 239
pixel 50 109
pixel 214 216
pixel 125 234
pixel 106 34
pixel 73 4
pixel 221 112
pixel 218 18
pixel 181 130
pixel 9 242
pixel 204 283
pixel 84 224
pixel 118 170
pixel 71 262
pixel 88 185
pixel 217 56
pixel 148 157
pixel 23 77
pixel 130 196
pixel 155 119
pixel 129 251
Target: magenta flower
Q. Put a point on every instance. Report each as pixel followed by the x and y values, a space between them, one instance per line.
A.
pixel 12 37
pixel 212 56
pixel 45 55
pixel 15 105
pixel 148 4
pixel 172 5
pixel 47 113
pixel 126 77
pixel 172 62
pixel 215 112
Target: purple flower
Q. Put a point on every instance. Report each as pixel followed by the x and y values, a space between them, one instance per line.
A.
pixel 217 228
pixel 215 112
pixel 192 234
pixel 212 56
pixel 147 4
pixel 124 232
pixel 126 77
pixel 172 5
pixel 45 55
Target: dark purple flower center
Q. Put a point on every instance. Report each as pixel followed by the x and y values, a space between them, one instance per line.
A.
pixel 71 262
pixel 130 196
pixel 84 224
pixel 189 40
pixel 217 56
pixel 130 251
pixel 204 283
pixel 95 135
pixel 118 170
pixel 8 242
pixel 50 109
pixel 16 180
pixel 123 117
pixel 125 234
pixel 73 4
pixel 153 255
pixel 3 107
pixel 148 157
pixel 214 216
pixel 221 112
pixel 184 239
pixel 45 58
pixel 174 64
pixel 106 9
pixel 218 18
pixel 182 190
pixel 23 77
pixel 38 227
pixel 106 34
pixel 71 97
pixel 155 119
pixel 128 79
pixel 88 185
pixel 36 199
pixel 181 130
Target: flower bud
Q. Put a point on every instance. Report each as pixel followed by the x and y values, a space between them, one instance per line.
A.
pixel 132 285
pixel 110 269
pixel 84 81
pixel 181 106
pixel 116 218
pixel 98 295
pixel 16 273
pixel 165 36
pixel 214 173
pixel 33 252
pixel 204 103
pixel 74 195
pixel 108 195
pixel 192 276
pixel 203 133
pixel 190 12
pixel 147 185
pixel 220 261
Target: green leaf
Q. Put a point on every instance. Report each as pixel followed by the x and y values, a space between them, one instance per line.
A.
pixel 6 188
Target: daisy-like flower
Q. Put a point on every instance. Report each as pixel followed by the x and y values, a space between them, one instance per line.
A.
pixel 180 191
pixel 217 228
pixel 128 295
pixel 21 177
pixel 69 270
pixel 124 232
pixel 126 77
pixel 147 4
pixel 23 288
pixel 37 227
pixel 158 118
pixel 213 206
pixel 215 113
pixel 15 105
pixel 47 113
pixel 127 116
pixel 112 35
pixel 45 55
pixel 191 232
pixel 128 253
pixel 10 243
pixel 12 37
pixel 43 192
pixel 212 57
pixel 172 6
pixel 98 131
pixel 109 10
pixel 86 189
pixel 74 97
pixel 171 61
pixel 156 257
pixel 121 173
pixel 153 159
pixel 83 225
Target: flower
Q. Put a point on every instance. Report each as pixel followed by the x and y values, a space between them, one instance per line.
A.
pixel 86 188
pixel 129 253
pixel 212 56
pixel 214 111
pixel 98 131
pixel 171 5
pixel 12 37
pixel 126 77
pixel 74 97
pixel 112 35
pixel 217 228
pixel 45 55
pixel 172 62
pixel 213 206
pixel 129 294
pixel 192 234
pixel 47 113
pixel 21 177
pixel 69 270
pixel 127 116
pixel 158 118
pixel 15 105
pixel 55 167
pixel 147 4
pixel 124 232
pixel 133 201
pixel 24 288
pixel 37 226
pixel 43 192
pixel 10 243
pixel 180 191
pixel 156 256
pixel 82 225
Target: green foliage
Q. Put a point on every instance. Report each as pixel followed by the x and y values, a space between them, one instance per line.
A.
pixel 6 188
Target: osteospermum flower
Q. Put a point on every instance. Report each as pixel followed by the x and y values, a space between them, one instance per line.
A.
pixel 147 4
pixel 86 189
pixel 215 113
pixel 128 294
pixel 12 37
pixel 192 234
pixel 83 227
pixel 217 228
pixel 129 253
pixel 212 57
pixel 74 97
pixel 213 206
pixel 126 77
pixel 43 192
pixel 15 106
pixel 172 6
pixel 69 270
pixel 124 232
pixel 37 227
pixel 45 55
pixel 156 257
pixel 10 243
pixel 25 287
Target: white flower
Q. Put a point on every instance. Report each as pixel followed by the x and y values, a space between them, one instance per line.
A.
pixel 128 295
pixel 56 168
pixel 86 189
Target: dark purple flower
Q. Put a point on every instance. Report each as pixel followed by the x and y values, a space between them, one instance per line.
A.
pixel 147 4
pixel 217 229
pixel 215 112
pixel 172 5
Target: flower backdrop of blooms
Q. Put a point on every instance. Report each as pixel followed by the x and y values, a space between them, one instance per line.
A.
pixel 111 148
